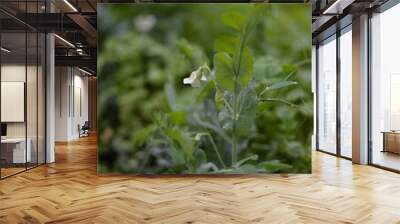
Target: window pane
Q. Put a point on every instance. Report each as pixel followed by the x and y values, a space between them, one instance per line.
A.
pixel 327 96
pixel 346 94
pixel 385 84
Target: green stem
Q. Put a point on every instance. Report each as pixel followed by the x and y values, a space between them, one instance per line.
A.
pixel 264 91
pixel 216 150
pixel 228 106
pixel 235 93
pixel 234 140
pixel 278 100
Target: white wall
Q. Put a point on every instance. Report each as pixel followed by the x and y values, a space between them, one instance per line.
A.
pixel 80 109
pixel 12 73
pixel 71 94
pixel 61 103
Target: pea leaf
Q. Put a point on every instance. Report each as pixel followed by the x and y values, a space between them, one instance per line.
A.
pixel 199 157
pixel 245 68
pixel 209 120
pixel 246 113
pixel 226 44
pixel 278 85
pixel 170 93
pixel 205 92
pixel 288 69
pixel 177 156
pixel 274 166
pixel 224 75
pixel 243 161
pixel 141 136
pixel 181 141
pixel 247 168
pixel 234 20
pixel 192 52
pixel 178 117
pixel 207 167
pixel 219 96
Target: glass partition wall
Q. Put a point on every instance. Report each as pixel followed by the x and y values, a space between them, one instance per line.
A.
pixel 385 89
pixel 334 85
pixel 345 91
pixel 326 60
pixel 22 89
pixel 13 110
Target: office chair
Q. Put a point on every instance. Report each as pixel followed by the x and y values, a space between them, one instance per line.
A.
pixel 84 130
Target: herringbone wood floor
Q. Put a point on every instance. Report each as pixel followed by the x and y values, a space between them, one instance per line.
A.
pixel 70 191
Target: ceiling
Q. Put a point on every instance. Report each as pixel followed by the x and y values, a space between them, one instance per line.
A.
pixel 331 15
pixel 74 22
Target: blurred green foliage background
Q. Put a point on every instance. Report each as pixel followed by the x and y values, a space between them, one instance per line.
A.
pixel 144 53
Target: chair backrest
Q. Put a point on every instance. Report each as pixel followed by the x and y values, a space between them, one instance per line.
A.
pixel 86 124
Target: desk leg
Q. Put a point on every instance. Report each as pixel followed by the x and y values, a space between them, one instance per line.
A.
pixel 384 142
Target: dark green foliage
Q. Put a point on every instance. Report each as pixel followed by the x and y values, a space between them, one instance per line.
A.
pixel 251 111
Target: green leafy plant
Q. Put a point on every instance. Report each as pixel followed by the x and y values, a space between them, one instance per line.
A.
pixel 236 100
pixel 240 113
pixel 235 92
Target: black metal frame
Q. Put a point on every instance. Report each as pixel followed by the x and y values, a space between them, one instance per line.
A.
pixel 0 87
pixel 338 75
pixel 369 90
pixel 316 97
pixel 44 80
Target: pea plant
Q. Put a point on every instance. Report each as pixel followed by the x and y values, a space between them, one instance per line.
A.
pixel 211 134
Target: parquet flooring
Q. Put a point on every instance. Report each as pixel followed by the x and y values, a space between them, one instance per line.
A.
pixel 10 171
pixel 69 191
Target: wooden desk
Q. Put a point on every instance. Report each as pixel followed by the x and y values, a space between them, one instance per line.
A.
pixel 391 141
pixel 13 150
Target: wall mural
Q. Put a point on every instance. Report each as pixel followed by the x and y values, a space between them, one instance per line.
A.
pixel 204 88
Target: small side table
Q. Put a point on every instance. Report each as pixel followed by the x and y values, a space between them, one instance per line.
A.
pixel 391 141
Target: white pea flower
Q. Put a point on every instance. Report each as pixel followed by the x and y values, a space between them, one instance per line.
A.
pixel 196 77
pixel 203 78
